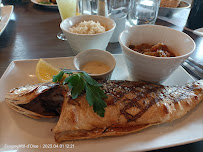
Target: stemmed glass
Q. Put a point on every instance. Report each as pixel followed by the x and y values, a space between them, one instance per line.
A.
pixel 67 8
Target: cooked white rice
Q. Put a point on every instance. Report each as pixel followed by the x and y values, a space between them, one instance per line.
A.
pixel 87 27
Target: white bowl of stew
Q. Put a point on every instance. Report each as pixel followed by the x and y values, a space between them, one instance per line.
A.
pixel 156 69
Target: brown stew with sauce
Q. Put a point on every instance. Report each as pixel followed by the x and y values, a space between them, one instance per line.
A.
pixel 158 50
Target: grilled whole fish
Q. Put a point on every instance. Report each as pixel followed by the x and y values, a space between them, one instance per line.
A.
pixel 36 101
pixel 131 106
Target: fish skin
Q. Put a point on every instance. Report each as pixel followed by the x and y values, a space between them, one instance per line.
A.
pixel 24 94
pixel 131 106
pixel 17 98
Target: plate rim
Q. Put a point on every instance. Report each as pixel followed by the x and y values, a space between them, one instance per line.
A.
pixel 143 149
pixel 27 60
pixel 182 1
pixel 47 5
pixel 67 57
pixel 10 7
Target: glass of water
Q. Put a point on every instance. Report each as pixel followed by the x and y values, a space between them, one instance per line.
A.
pixel 87 7
pixel 118 10
pixel 143 12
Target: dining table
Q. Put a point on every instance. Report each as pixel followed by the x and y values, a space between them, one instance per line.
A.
pixel 32 30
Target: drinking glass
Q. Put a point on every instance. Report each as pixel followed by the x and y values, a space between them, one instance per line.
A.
pixel 143 12
pixel 67 8
pixel 94 4
pixel 118 10
pixel 87 7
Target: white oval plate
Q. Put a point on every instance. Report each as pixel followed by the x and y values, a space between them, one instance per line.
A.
pixel 47 5
pixel 6 12
pixel 20 133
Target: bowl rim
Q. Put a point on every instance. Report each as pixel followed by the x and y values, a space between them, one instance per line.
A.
pixel 81 16
pixel 182 1
pixel 154 57
pixel 103 51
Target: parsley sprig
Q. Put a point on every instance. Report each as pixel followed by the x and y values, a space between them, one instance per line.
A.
pixel 80 82
pixel 45 2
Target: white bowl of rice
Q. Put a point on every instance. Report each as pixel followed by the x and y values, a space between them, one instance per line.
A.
pixel 88 32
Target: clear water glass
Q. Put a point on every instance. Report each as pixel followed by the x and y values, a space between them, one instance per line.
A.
pixel 143 12
pixel 118 10
pixel 87 7
pixel 119 6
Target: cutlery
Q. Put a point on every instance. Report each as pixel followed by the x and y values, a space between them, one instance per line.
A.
pixel 71 70
pixel 194 62
pixel 195 72
pixel 198 32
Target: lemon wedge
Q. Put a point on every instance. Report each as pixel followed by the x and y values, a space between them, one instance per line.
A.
pixel 45 71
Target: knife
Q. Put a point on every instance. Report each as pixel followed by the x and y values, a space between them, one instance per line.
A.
pixel 198 74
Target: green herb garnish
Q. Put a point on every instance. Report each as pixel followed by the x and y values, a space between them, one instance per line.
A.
pixel 45 2
pixel 80 82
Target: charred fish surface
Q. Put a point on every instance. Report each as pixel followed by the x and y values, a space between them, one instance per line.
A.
pixel 131 106
pixel 36 101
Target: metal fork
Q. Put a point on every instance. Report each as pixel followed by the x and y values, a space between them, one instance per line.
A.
pixel 71 70
pixel 194 62
pixel 193 68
